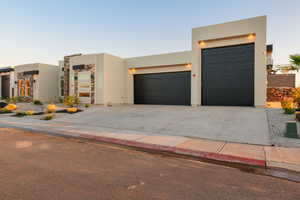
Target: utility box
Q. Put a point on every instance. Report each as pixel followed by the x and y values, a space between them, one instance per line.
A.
pixel 291 129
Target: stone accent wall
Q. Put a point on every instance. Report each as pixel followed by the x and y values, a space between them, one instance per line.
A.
pixel 24 77
pixel 92 69
pixel 66 88
pixel 66 75
pixel 277 94
pixel 281 80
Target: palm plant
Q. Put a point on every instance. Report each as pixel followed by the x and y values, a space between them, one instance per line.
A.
pixel 295 60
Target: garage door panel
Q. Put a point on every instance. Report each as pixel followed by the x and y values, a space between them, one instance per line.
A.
pixel 162 88
pixel 228 76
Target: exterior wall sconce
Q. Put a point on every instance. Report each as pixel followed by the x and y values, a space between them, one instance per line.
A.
pixel 132 70
pixel 251 37
pixel 188 66
pixel 202 43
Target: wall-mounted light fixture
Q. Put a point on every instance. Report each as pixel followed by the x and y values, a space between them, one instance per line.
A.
pixel 202 43
pixel 132 70
pixel 251 37
pixel 188 66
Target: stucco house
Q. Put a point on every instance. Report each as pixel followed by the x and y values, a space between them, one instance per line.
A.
pixel 37 81
pixel 226 66
pixel 6 82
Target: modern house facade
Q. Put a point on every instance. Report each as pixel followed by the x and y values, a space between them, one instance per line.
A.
pixel 6 82
pixel 225 67
pixel 37 81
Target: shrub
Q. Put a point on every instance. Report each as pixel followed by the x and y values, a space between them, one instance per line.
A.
pixel 20 114
pixel 3 104
pixel 60 99
pixel 51 108
pixel 11 107
pixel 37 102
pixel 296 96
pixel 71 101
pixel 30 112
pixel 4 110
pixel 13 100
pixel 48 117
pixel 22 99
pixel 288 106
pixel 87 105
pixel 287 103
pixel 72 110
pixel 289 111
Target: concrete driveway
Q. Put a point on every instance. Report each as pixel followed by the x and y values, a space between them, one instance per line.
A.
pixel 234 124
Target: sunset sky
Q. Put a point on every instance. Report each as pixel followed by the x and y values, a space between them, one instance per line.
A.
pixel 45 31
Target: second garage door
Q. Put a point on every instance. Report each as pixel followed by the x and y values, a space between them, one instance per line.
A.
pixel 163 88
pixel 228 76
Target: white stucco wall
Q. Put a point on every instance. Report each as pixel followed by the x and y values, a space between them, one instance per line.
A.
pixel 226 34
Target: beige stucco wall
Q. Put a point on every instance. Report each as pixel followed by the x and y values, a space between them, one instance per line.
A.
pixel 171 62
pixel 160 60
pixel 24 68
pixel 232 33
pixel 114 80
pixel 114 75
pixel 149 70
pixel 46 85
pixel 98 61
pixel 109 77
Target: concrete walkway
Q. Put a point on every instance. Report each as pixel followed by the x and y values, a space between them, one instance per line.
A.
pixel 256 155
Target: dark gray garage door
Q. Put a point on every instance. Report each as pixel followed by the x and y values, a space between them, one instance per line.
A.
pixel 5 86
pixel 163 88
pixel 228 75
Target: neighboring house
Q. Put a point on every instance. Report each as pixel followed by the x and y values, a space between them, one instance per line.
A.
pixel 6 82
pixel 225 67
pixel 37 81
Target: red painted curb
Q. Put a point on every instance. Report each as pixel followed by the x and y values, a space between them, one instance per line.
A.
pixel 176 150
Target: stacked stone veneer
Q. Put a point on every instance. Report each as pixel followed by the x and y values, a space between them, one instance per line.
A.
pixel 66 88
pixel 281 80
pixel 277 94
pixel 92 69
pixel 23 77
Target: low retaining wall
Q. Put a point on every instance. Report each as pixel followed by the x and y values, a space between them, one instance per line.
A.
pixel 281 80
pixel 278 93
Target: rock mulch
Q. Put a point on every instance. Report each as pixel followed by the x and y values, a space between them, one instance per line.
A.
pixel 277 125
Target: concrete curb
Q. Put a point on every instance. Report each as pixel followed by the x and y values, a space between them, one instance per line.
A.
pixel 150 147
pixel 179 151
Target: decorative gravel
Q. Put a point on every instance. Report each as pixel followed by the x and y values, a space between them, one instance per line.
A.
pixel 277 124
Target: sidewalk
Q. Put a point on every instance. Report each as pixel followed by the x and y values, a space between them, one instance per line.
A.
pixel 254 155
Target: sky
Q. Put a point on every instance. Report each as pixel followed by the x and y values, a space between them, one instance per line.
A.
pixel 44 31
